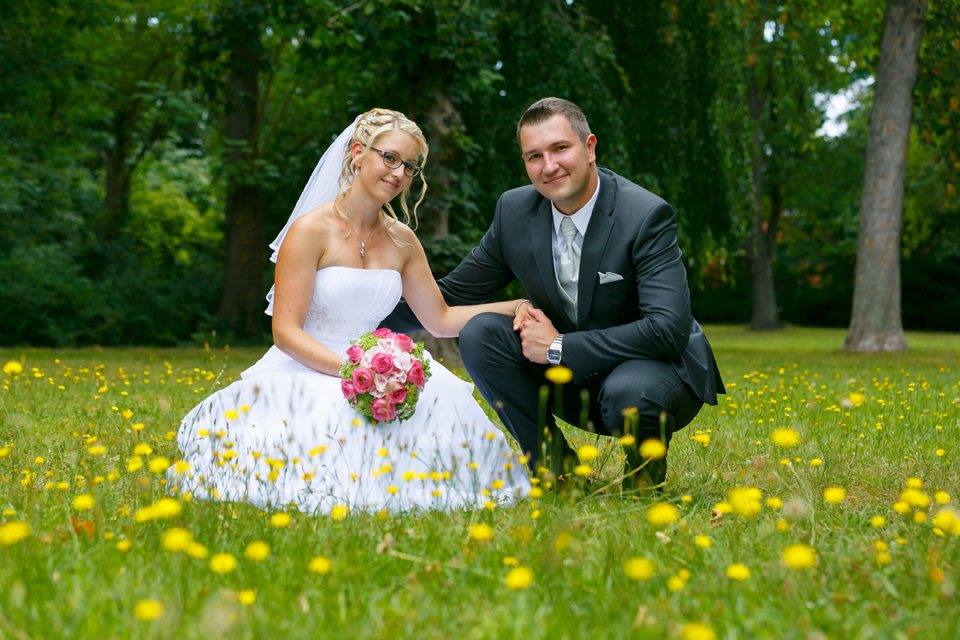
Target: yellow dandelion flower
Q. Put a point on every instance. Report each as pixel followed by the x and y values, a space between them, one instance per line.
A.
pixel 481 532
pixel 339 512
pixel 582 470
pixel 676 583
pixel 883 558
pixel 639 569
pixel 148 610
pixel 941 452
pixel 914 483
pixel 13 532
pixel 280 520
pixel 627 440
pixel 231 415
pixel 920 517
pixel 519 578
pixel 745 500
pixel 84 502
pixel 697 631
pixel 392 490
pixel 941 497
pixel 559 375
pixel 196 551
pixel 181 466
pixel 97 450
pixel 738 572
pixel 878 522
pixel 124 545
pixel 137 427
pixel 799 556
pixel 834 495
pixel 786 438
pixel 686 499
pixel 142 449
pixel 703 542
pixel 247 597
pixel 901 507
pixel 176 539
pixel 782 526
pixel 536 492
pixel 662 514
pixel 158 465
pixel 13 368
pixel 497 484
pixel 127 414
pixel 857 398
pixel 775 503
pixel 915 498
pixel 257 551
pixel 588 452
pixel 320 565
pixel 702 438
pixel 653 449
pixel 222 563
pixel 723 507
pixel 510 561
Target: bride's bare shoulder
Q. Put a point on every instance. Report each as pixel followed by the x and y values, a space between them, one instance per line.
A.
pixel 318 223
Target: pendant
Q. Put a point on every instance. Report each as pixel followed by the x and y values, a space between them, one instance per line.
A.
pixel 363 245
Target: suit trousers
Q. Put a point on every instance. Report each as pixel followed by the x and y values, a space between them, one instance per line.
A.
pixel 493 356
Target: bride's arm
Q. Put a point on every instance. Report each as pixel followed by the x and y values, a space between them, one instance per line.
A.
pixel 294 282
pixel 422 294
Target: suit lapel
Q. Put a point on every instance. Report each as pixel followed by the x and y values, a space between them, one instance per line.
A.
pixel 594 244
pixel 542 246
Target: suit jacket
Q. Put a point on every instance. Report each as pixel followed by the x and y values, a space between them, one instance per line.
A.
pixel 632 233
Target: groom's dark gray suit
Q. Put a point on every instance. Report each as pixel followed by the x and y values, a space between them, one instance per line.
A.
pixel 634 344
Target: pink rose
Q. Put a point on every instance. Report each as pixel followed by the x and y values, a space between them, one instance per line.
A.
pixel 383 332
pixel 396 393
pixel 415 375
pixel 382 363
pixel 382 410
pixel 402 342
pixel 362 379
pixel 349 390
pixel 355 353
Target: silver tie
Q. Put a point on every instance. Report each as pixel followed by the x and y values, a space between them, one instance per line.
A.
pixel 568 273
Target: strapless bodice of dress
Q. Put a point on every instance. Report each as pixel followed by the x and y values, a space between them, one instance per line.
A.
pixel 346 304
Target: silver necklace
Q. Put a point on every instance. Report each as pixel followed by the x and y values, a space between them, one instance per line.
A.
pixel 363 245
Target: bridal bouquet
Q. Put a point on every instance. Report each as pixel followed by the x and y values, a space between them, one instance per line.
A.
pixel 383 373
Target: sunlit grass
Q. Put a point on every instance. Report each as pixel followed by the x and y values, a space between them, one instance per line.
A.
pixel 867 425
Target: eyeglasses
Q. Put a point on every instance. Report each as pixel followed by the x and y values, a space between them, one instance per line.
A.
pixel 393 161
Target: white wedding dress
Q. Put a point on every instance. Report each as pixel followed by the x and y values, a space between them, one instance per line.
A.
pixel 285 436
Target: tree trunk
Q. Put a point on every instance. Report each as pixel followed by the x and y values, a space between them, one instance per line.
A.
pixel 765 316
pixel 876 324
pixel 242 300
pixel 442 119
pixel 116 203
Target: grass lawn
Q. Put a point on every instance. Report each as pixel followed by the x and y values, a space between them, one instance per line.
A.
pixel 882 560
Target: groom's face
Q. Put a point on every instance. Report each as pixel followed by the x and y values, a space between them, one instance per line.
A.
pixel 558 163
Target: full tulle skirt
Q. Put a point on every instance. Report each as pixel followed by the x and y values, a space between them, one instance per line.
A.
pixel 285 437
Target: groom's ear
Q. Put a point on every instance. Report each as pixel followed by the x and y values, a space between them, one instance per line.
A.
pixel 591 145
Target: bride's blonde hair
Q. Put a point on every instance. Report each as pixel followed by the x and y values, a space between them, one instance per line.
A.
pixel 369 127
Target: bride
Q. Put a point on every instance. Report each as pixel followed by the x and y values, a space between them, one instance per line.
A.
pixel 284 435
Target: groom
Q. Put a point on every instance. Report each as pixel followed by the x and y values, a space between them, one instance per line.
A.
pixel 598 256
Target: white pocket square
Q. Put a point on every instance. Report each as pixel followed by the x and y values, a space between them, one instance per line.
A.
pixel 610 276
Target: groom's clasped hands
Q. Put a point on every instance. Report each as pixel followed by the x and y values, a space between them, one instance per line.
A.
pixel 536 333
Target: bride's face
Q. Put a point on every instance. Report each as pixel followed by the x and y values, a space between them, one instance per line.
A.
pixel 379 180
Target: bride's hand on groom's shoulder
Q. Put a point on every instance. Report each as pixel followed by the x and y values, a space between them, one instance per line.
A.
pixel 536 333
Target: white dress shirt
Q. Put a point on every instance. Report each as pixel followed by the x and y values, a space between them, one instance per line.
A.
pixel 580 220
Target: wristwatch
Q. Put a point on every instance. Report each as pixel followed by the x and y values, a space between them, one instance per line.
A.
pixel 555 352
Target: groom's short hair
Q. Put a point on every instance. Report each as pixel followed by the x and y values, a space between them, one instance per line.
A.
pixel 545 108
